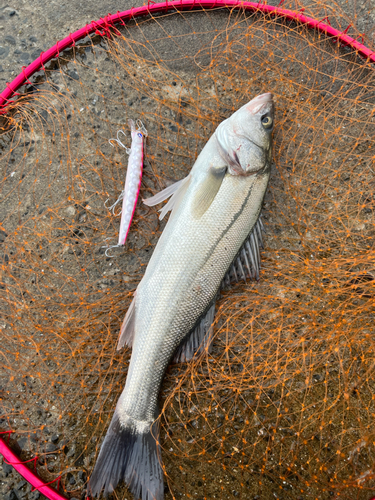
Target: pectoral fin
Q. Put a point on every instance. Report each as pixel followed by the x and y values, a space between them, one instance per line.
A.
pixel 163 195
pixel 208 190
pixel 176 191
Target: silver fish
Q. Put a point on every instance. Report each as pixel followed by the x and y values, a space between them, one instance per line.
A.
pixel 212 237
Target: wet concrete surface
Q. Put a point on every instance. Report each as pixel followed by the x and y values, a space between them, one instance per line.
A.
pixel 27 28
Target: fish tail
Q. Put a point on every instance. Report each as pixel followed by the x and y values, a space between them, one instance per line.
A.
pixel 129 456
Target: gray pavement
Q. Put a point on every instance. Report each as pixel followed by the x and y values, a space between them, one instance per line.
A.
pixel 28 27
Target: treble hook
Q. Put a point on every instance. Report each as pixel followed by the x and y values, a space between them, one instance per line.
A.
pixel 109 247
pixel 141 127
pixel 128 150
pixel 112 207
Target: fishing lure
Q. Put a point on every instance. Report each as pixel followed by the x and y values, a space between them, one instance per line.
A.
pixel 133 179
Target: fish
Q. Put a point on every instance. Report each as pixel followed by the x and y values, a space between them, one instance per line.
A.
pixel 212 238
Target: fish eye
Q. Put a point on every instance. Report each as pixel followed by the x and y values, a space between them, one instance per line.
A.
pixel 140 135
pixel 267 121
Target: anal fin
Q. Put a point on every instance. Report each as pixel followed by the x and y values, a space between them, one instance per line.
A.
pixel 127 328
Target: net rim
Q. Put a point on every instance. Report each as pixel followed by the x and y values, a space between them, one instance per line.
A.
pixel 110 20
pixel 36 482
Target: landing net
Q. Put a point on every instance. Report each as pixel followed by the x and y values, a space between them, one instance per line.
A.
pixel 284 406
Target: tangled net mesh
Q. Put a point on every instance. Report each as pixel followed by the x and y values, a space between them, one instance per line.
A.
pixel 283 407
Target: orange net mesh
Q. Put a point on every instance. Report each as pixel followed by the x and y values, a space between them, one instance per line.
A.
pixel 284 405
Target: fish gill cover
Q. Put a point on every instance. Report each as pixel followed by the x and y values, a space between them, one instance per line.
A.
pixel 284 406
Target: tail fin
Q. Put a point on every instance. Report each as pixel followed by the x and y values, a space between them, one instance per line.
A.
pixel 130 456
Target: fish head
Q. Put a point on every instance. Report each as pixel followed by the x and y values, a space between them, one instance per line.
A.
pixel 245 139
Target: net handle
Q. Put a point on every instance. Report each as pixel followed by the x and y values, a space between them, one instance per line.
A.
pixel 103 25
pixel 38 484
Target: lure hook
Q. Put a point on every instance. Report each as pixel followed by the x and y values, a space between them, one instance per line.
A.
pixel 141 128
pixel 112 207
pixel 108 248
pixel 118 141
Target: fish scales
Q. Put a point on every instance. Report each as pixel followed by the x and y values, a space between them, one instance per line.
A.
pixel 174 297
pixel 214 210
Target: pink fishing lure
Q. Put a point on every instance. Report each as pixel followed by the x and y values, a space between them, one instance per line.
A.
pixel 133 179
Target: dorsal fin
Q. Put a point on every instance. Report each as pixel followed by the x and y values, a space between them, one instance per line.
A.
pixel 199 339
pixel 247 262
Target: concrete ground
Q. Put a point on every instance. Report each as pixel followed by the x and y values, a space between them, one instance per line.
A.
pixel 27 28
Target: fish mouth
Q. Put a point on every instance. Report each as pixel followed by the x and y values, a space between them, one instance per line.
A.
pixel 264 97
pixel 259 101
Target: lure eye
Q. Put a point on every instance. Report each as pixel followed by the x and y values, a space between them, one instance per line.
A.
pixel 140 135
pixel 267 121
